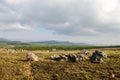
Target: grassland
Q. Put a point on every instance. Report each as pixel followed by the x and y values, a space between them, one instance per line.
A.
pixel 13 66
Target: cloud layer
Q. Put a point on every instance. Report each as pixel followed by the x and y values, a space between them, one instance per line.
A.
pixel 67 17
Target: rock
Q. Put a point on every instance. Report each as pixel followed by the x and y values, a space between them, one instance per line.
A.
pixel 63 57
pixel 69 57
pixel 73 57
pixel 81 57
pixel 98 56
pixel 55 57
pixel 31 57
pixel 85 52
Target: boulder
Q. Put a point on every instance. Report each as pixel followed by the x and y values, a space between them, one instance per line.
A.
pixel 85 52
pixel 32 57
pixel 98 56
pixel 55 57
pixel 81 57
pixel 63 57
pixel 73 58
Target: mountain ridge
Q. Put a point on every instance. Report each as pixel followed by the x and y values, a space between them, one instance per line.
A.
pixel 58 42
pixel 43 42
pixel 4 40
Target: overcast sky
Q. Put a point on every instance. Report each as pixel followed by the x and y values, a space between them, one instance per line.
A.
pixel 91 21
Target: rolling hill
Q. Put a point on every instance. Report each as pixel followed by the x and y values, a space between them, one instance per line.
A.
pixel 58 42
pixel 51 42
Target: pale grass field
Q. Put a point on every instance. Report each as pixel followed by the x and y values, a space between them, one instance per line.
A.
pixel 13 66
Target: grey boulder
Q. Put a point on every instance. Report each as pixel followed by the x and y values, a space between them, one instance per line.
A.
pixel 98 56
pixel 32 57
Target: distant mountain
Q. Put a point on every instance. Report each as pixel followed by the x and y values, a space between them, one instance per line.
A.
pixel 4 40
pixel 58 42
pixel 11 42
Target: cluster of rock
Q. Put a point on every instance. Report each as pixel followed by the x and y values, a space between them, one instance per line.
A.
pixel 95 57
pixel 71 57
pixel 32 57
pixel 65 57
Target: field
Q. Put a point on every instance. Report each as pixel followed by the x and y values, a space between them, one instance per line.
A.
pixel 13 66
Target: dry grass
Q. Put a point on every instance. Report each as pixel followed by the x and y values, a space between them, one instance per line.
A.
pixel 13 66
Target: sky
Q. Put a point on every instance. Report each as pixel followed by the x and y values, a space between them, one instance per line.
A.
pixel 88 21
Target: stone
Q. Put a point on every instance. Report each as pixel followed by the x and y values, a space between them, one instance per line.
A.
pixel 32 57
pixel 73 58
pixel 85 52
pixel 81 57
pixel 98 56
pixel 63 57
pixel 55 57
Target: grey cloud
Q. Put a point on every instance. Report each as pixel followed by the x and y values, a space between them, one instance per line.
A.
pixel 110 29
pixel 68 17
